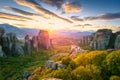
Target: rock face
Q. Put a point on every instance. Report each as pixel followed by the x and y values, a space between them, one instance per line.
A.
pixel 85 40
pixel 100 39
pixel 117 42
pixel 43 39
pixel 27 44
pixel 35 43
pixel 10 44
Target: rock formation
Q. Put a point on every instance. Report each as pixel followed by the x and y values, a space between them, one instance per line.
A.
pixel 101 39
pixel 10 44
pixel 117 42
pixel 35 43
pixel 27 45
pixel 85 41
pixel 43 39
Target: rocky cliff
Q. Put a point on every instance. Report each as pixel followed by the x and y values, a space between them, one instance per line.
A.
pixel 104 39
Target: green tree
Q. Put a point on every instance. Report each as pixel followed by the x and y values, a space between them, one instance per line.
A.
pixel 89 72
pixel 114 78
pixel 113 62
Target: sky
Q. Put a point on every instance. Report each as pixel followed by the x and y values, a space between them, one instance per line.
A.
pixel 81 15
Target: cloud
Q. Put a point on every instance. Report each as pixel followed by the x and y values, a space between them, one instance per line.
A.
pixel 20 11
pixel 13 17
pixel 57 3
pixel 76 18
pixel 70 7
pixel 88 25
pixel 10 19
pixel 108 16
pixel 83 25
pixel 40 10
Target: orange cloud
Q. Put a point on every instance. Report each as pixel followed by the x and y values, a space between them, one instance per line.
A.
pixel 13 17
pixel 71 7
pixel 41 10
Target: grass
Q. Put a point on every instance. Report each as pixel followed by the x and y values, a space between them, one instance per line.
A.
pixel 12 68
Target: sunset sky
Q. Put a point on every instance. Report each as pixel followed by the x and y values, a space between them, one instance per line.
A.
pixel 82 15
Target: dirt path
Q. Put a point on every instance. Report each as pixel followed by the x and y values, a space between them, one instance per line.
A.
pixel 59 54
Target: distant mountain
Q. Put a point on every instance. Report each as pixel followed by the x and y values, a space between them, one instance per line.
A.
pixel 72 34
pixel 31 32
pixel 9 28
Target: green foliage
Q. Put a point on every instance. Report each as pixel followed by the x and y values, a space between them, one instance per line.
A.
pixel 115 77
pixel 98 58
pixel 66 60
pixel 64 74
pixel 89 72
pixel 113 62
pixel 12 68
pixel 80 59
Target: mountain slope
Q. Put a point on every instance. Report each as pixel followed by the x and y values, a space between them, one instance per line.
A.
pixel 9 28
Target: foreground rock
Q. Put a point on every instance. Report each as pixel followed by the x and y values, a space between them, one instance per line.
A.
pixel 54 65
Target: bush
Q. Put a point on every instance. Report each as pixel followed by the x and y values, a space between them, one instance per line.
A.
pixel 60 73
pixel 80 60
pixel 113 62
pixel 89 72
pixel 66 60
pixel 114 78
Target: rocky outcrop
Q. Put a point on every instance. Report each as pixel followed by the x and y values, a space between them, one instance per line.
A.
pixel 117 42
pixel 43 39
pixel 10 44
pixel 85 41
pixel 100 39
pixel 27 45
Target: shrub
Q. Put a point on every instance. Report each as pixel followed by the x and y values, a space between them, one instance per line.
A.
pixel 79 60
pixel 89 72
pixel 66 60
pixel 113 62
pixel 60 73
pixel 114 78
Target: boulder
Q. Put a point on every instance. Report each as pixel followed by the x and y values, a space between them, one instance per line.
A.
pixel 25 75
pixel 117 42
pixel 61 66
pixel 49 63
pixel 54 66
